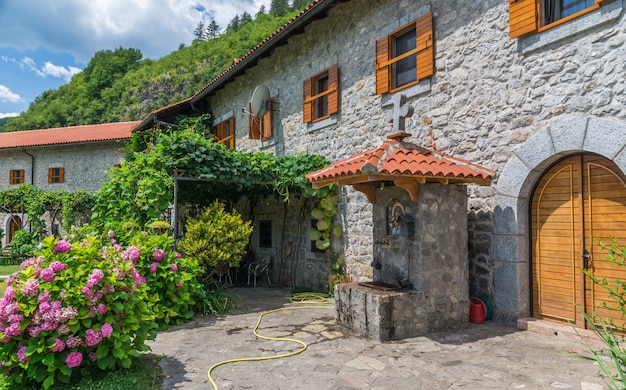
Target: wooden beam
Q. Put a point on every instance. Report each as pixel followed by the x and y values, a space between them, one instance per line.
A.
pixel 410 186
pixel 368 189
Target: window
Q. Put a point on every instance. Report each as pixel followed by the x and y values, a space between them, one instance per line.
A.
pixel 56 175
pixel 405 57
pixel 321 95
pixel 262 128
pixel 225 132
pixel 538 15
pixel 265 234
pixel 16 176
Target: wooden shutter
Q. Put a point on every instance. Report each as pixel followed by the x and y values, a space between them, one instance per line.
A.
pixel 383 69
pixel 50 174
pixel 61 175
pixel 267 123
pixel 522 17
pixel 333 86
pixel 424 45
pixel 254 125
pixel 307 108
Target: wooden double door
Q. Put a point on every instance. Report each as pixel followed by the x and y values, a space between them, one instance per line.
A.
pixel 579 201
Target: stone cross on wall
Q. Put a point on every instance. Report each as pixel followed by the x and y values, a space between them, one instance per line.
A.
pixel 400 111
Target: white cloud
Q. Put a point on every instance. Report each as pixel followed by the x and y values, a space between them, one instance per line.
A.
pixel 6 96
pixel 156 27
pixel 8 115
pixel 59 71
pixel 49 69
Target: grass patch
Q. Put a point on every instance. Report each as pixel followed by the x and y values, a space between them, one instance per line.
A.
pixel 8 269
pixel 144 374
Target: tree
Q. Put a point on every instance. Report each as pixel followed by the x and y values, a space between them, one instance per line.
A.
pixel 245 18
pixel 212 30
pixel 198 33
pixel 261 11
pixel 234 23
pixel 106 66
pixel 279 7
pixel 300 4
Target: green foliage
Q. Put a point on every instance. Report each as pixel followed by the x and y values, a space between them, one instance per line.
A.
pixel 612 358
pixel 75 309
pixel 217 237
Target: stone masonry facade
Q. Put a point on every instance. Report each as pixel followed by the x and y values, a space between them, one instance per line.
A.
pixel 512 105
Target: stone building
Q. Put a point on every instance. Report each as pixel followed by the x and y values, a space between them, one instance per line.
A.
pixel 69 158
pixel 533 91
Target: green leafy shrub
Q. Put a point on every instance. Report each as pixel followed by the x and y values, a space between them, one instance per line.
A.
pixel 215 238
pixel 174 289
pixel 76 308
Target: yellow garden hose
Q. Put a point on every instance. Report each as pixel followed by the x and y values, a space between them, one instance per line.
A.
pixel 307 301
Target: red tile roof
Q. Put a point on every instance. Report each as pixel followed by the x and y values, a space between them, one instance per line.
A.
pixel 396 159
pixel 67 135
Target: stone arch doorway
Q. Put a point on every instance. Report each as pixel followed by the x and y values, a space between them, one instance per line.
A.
pixel 511 243
pixel 15 224
pixel 580 199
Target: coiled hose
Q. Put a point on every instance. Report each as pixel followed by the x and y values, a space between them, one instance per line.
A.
pixel 306 300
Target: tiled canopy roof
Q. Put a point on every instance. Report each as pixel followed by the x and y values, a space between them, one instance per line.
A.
pixel 67 135
pixel 401 162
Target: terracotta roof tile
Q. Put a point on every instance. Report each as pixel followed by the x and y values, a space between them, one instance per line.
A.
pixel 397 158
pixel 67 135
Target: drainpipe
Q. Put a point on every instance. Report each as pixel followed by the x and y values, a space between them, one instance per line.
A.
pixel 32 167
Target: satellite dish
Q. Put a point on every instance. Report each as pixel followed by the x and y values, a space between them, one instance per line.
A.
pixel 260 96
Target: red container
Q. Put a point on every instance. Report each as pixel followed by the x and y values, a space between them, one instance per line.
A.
pixel 478 310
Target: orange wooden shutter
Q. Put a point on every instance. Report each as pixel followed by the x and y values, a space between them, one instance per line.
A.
pixel 424 45
pixel 230 140
pixel 333 85
pixel 383 72
pixel 268 121
pixel 254 125
pixel 61 175
pixel 50 170
pixel 307 109
pixel 522 17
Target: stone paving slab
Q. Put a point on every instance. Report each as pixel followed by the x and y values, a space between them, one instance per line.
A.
pixel 485 356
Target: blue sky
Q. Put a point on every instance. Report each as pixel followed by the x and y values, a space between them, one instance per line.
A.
pixel 43 43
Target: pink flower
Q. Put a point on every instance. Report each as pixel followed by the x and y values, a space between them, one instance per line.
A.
pixel 102 309
pixel 74 359
pixel 62 246
pixel 92 337
pixel 20 354
pixel 59 346
pixel 178 255
pixel 9 293
pixel 174 267
pixel 133 253
pixel 179 283
pixel 57 266
pixel 158 255
pixel 47 275
pixel 153 267
pixel 111 234
pixel 93 356
pixel 43 297
pixel 106 330
pixel 31 288
pixel 119 273
pixel 73 341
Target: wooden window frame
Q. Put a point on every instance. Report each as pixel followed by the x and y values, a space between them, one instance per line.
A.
pixel 54 178
pixel 261 128
pixel 424 64
pixel 525 17
pixel 220 130
pixel 16 176
pixel 311 97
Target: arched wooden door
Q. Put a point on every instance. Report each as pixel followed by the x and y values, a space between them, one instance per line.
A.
pixel 15 224
pixel 579 200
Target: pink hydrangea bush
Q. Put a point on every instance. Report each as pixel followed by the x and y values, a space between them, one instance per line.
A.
pixel 76 307
pixel 173 280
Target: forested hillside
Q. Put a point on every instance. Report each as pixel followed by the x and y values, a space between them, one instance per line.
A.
pixel 118 85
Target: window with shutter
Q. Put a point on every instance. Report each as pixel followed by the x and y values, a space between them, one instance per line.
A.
pixel 527 16
pixel 56 175
pixel 405 57
pixel 224 132
pixel 262 128
pixel 16 176
pixel 321 95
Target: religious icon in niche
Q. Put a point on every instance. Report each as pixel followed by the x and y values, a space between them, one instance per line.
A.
pixel 395 214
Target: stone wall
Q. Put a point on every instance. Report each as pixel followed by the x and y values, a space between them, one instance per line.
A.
pixel 489 95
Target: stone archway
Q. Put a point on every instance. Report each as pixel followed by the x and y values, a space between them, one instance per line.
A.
pixel 564 135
